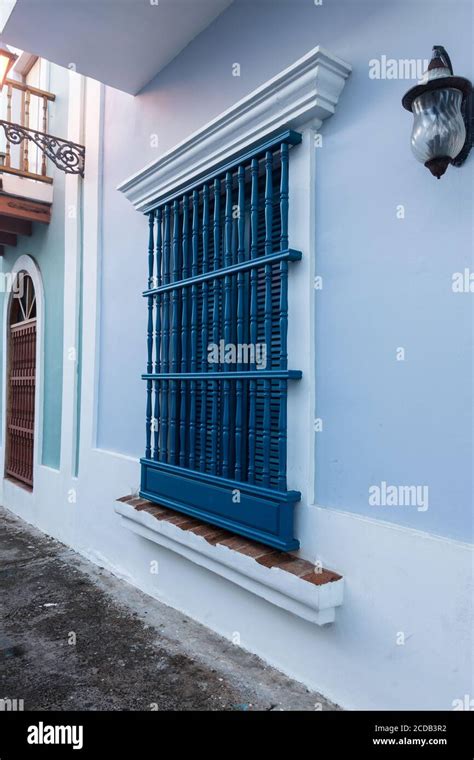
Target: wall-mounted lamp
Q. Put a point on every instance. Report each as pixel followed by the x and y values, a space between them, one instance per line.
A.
pixel 442 107
pixel 7 60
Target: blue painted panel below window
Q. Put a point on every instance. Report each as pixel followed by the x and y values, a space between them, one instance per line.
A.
pixel 260 514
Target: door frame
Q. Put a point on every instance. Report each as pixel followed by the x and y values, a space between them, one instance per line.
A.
pixel 26 264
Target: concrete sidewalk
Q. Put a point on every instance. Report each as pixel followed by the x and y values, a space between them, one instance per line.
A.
pixel 74 637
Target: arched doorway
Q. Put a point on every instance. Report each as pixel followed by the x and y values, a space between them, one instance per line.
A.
pixel 21 381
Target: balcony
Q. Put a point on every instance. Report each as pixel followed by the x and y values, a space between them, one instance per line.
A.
pixel 27 155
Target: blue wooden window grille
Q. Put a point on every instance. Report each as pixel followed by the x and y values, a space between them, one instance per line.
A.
pixel 216 432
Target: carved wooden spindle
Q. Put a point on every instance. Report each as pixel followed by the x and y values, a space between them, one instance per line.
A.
pixel 174 338
pixel 194 329
pixel 26 123
pixel 253 318
pixel 266 433
pixel 215 324
pixel 283 308
pixel 165 346
pixel 183 423
pixel 45 129
pixel 227 323
pixel 149 364
pixel 9 118
pixel 157 369
pixel 240 322
pixel 204 330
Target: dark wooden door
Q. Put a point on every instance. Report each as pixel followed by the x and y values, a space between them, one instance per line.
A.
pixel 21 384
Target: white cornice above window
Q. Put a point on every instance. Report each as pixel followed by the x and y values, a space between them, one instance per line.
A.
pixel 306 91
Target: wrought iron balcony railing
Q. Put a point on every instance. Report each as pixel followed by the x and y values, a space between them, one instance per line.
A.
pixel 25 144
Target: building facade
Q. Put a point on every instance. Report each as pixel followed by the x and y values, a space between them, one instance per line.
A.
pixel 371 446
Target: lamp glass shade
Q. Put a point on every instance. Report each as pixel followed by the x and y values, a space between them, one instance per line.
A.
pixel 438 129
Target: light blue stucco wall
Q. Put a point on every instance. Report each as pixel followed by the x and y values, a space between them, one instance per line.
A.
pixel 387 282
pixel 46 247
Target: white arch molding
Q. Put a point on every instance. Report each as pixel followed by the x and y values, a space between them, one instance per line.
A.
pixel 26 264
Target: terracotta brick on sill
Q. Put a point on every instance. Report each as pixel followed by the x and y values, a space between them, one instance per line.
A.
pixel 296 566
pixel 270 559
pixel 254 549
pixel 191 522
pixel 320 578
pixel 158 512
pixel 234 542
pixel 134 500
pixel 205 531
pixel 140 504
pixel 223 535
pixel 178 519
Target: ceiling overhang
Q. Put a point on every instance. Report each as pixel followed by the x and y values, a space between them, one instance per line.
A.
pixel 122 43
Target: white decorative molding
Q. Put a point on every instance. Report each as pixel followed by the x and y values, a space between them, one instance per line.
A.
pixel 307 91
pixel 286 590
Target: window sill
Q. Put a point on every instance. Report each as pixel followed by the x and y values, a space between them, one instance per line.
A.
pixel 282 579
